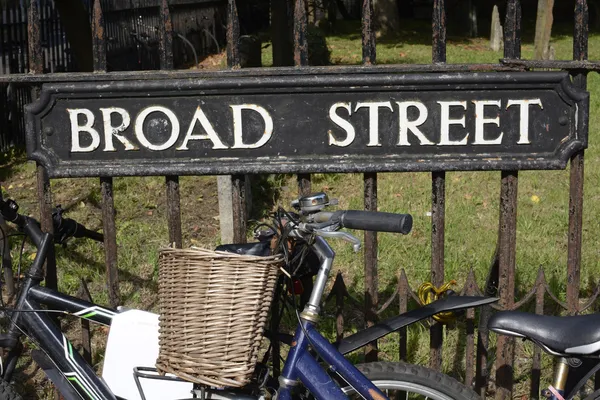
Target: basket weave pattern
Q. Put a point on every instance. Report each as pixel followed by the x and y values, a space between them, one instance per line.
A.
pixel 213 309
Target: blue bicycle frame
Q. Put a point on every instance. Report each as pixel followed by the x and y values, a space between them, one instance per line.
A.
pixel 302 366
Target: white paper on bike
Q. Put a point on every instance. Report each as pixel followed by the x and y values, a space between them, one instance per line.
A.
pixel 133 342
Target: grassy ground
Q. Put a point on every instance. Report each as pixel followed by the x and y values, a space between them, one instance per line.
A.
pixel 471 210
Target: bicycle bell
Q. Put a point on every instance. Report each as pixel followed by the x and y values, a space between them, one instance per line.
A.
pixel 313 203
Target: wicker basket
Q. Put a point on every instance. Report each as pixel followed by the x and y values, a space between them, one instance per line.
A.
pixel 213 309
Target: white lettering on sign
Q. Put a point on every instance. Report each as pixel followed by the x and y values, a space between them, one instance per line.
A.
pixel 524 124
pixel 480 121
pixel 342 123
pixel 446 122
pixel 77 129
pixel 211 135
pixel 238 127
pixel 373 107
pixel 158 128
pixel 412 126
pixel 111 131
pixel 157 123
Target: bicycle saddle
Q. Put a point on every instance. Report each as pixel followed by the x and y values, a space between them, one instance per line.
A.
pixel 577 335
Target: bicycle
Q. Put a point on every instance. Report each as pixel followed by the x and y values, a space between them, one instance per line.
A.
pixel 575 340
pixel 303 376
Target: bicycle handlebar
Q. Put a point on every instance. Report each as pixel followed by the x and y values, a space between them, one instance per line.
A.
pixel 376 221
pixel 64 228
pixel 366 221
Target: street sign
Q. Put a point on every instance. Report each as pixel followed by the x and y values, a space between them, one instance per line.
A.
pixel 309 122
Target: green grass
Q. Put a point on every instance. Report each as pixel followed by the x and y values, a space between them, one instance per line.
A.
pixel 472 212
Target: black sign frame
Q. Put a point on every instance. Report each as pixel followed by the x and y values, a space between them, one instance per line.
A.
pixel 45 139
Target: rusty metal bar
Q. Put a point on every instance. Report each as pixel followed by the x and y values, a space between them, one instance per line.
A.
pixel 438 46
pixel 110 241
pixel 575 66
pixel 536 367
pixel 438 192
pixel 36 66
pixel 369 46
pixel 403 296
pixel 238 182
pixel 45 201
pixel 86 342
pixel 370 197
pixel 233 36
pixel 508 224
pixel 339 290
pixel 370 260
pixel 185 74
pixel 470 289
pixel 99 38
pixel 580 53
pixel 301 60
pixel 172 181
pixel 106 184
pixel 300 33
pixel 483 333
pixel 506 289
pixel 512 30
pixel 239 208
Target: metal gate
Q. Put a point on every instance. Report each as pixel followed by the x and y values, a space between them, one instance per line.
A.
pixel 336 89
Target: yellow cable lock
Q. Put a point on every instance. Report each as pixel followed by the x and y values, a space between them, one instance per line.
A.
pixel 428 293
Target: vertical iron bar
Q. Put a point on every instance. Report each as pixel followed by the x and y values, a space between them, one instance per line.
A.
pixel 44 27
pixel 12 39
pixel 3 51
pixel 23 59
pixel 174 211
pixel 110 241
pixel 580 53
pixel 438 193
pixel 52 38
pixel 536 367
pixel 239 208
pixel 483 334
pixel 508 221
pixel 300 34
pixel 86 336
pixel 369 46
pixel 403 289
pixel 370 197
pixel 99 39
pixel 371 279
pixel 43 182
pixel 172 182
pixel 301 60
pixel 108 202
pixel 233 35
pixel 238 181
pixel 470 290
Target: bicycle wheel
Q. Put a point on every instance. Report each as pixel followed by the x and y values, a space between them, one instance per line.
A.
pixel 407 381
pixel 7 392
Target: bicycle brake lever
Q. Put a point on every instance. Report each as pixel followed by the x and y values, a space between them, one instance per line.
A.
pixel 340 235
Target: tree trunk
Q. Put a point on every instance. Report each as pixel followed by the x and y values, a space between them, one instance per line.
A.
pixel 76 22
pixel 543 29
pixel 387 18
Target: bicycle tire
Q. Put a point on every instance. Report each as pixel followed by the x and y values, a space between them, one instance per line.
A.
pixel 8 392
pixel 407 378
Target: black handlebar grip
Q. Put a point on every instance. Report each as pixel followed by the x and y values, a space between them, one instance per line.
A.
pixel 86 233
pixel 376 221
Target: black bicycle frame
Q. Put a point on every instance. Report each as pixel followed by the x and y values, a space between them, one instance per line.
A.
pixel 70 365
